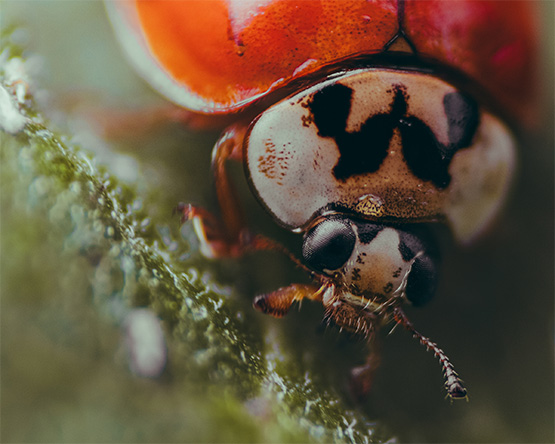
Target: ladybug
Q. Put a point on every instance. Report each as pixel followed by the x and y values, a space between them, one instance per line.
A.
pixel 359 123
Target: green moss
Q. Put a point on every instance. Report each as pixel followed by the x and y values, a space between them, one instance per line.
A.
pixel 80 249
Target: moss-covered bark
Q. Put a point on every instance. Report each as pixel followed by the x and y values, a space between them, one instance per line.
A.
pixel 80 250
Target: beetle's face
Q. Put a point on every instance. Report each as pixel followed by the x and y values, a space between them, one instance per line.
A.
pixel 370 261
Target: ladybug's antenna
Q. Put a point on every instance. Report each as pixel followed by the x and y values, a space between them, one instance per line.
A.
pixel 453 384
pixel 260 243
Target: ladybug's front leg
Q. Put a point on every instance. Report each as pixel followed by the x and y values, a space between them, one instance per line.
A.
pixel 278 302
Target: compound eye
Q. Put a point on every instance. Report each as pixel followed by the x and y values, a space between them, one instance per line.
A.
pixel 328 245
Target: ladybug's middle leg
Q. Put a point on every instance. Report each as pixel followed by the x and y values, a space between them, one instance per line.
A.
pixel 278 302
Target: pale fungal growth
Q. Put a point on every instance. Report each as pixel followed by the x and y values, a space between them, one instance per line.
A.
pixel 145 344
pixel 13 92
pixel 11 119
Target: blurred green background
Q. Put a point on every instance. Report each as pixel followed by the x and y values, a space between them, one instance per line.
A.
pixel 64 375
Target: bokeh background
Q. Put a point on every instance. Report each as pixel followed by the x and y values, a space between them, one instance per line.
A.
pixel 64 377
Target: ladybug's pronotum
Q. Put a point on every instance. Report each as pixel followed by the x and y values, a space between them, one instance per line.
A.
pixel 359 123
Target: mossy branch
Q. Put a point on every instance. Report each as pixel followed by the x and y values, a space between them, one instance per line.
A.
pixel 102 248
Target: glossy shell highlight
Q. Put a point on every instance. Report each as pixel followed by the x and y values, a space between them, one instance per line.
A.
pixel 218 56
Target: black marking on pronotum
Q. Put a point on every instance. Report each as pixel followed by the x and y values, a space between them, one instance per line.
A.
pixel 363 151
pixel 428 158
pixel 330 108
pixel 462 117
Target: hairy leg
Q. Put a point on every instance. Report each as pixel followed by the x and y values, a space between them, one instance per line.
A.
pixel 278 302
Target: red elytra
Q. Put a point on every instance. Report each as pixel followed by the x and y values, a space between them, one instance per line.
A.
pixel 228 53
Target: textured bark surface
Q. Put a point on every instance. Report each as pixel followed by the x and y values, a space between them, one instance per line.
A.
pixel 81 251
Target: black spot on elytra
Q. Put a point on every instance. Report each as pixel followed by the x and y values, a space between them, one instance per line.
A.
pixel 363 151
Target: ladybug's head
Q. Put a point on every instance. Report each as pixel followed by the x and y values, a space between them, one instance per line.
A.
pixel 371 260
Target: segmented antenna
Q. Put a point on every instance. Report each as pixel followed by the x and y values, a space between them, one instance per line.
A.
pixel 453 384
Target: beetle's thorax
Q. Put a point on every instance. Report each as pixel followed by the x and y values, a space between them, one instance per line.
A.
pixel 390 146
